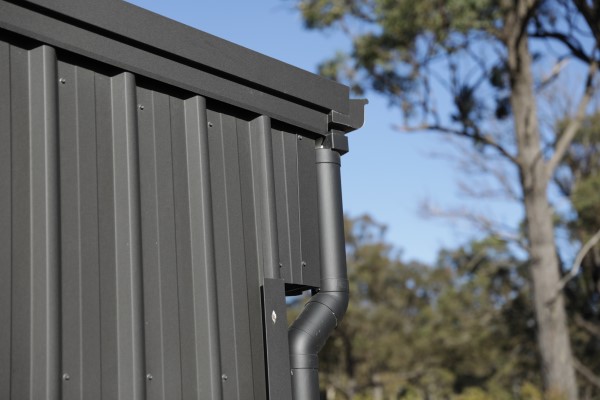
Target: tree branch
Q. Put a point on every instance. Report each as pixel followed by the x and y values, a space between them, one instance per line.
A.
pixel 575 48
pixel 576 267
pixel 588 326
pixel 590 13
pixel 479 221
pixel 556 70
pixel 586 373
pixel 564 140
pixel 485 139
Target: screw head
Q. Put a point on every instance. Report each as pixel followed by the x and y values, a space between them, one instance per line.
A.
pixel 149 377
pixel 224 377
pixel 62 81
pixel 210 124
pixel 66 377
pixel 141 106
pixel 303 264
pixel 274 316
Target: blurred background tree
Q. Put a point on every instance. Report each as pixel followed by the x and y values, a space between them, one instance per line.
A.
pixel 462 329
pixel 479 57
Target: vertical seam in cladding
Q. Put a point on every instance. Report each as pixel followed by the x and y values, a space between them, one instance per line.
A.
pixel 299 215
pixel 253 185
pixel 10 185
pixel 229 258
pixel 243 245
pixel 79 207
pixel 287 206
pixel 31 301
pixel 152 109
pixel 134 222
pixel 52 168
pixel 10 199
pixel 99 261
pixel 134 210
pixel 176 253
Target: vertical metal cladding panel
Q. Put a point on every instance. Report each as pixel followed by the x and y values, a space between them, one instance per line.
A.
pixel 161 286
pixel 120 259
pixel 263 182
pixel 252 250
pixel 80 235
pixel 309 205
pixel 5 221
pixel 29 188
pixel 181 330
pixel 195 251
pixel 297 205
pixel 137 228
pixel 285 160
pixel 234 320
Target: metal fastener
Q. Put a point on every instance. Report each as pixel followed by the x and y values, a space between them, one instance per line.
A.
pixel 274 316
pixel 299 137
pixel 141 106
pixel 66 377
pixel 210 124
pixel 224 377
pixel 149 377
pixel 303 264
pixel 62 80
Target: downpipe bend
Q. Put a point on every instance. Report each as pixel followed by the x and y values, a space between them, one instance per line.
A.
pixel 324 311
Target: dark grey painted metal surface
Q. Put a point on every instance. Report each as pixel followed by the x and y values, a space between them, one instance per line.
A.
pixel 156 204
pixel 209 52
pixel 186 58
pixel 33 231
pixel 276 338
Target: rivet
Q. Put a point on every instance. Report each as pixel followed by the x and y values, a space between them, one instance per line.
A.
pixel 303 264
pixel 66 377
pixel 141 106
pixel 210 124
pixel 62 80
pixel 149 377
pixel 274 316
pixel 299 137
pixel 224 377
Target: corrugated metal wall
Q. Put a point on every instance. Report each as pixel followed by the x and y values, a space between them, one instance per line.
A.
pixel 137 224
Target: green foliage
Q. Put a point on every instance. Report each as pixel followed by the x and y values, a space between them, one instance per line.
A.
pixel 399 40
pixel 458 330
pixel 579 178
pixel 586 200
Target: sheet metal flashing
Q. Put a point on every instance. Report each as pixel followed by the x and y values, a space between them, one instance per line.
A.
pixel 150 45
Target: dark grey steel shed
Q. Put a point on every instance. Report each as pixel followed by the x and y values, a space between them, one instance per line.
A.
pixel 161 191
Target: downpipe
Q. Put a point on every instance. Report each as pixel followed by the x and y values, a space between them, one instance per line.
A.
pixel 324 311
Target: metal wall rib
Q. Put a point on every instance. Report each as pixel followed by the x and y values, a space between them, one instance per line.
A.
pixel 5 222
pixel 31 289
pixel 137 226
pixel 297 203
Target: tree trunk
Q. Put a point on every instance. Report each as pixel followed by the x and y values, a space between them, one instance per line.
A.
pixel 552 329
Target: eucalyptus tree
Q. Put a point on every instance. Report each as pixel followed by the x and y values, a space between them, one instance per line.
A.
pixel 479 55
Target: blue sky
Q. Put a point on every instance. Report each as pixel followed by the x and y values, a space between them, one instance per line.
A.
pixel 386 174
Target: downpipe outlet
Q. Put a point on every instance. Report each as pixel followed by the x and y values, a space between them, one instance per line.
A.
pixel 325 310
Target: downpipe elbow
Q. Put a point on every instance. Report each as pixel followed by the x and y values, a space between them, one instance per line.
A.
pixel 310 331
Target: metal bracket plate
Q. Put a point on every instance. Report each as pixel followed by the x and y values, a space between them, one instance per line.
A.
pixel 279 381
